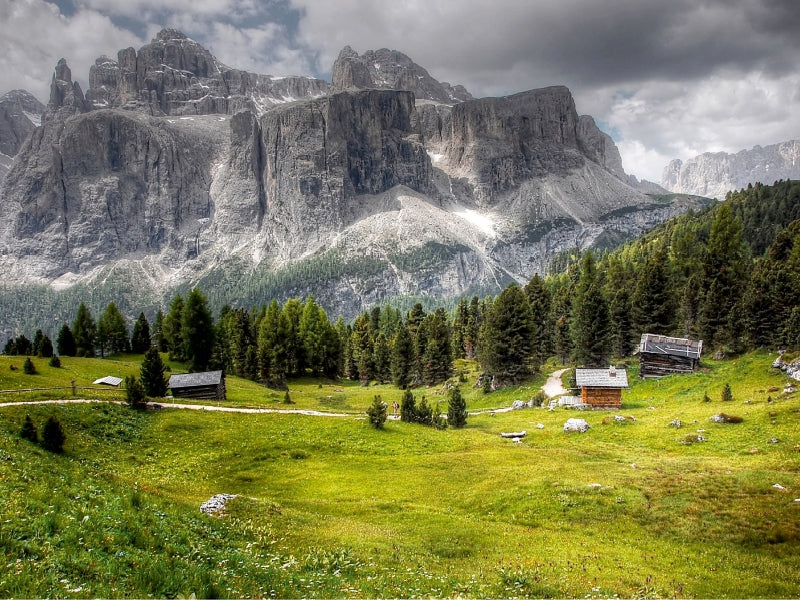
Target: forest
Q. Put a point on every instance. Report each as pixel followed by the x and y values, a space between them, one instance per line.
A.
pixel 729 275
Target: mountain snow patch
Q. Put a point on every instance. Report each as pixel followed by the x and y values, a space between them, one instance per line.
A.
pixel 482 222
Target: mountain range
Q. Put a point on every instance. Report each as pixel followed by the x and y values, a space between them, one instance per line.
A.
pixel 174 170
pixel 714 174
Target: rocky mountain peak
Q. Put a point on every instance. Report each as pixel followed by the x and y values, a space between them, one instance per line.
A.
pixel 66 96
pixel 20 113
pixel 391 70
pixel 713 174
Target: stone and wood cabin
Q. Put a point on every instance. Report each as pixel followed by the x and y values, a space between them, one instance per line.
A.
pixel 660 355
pixel 602 388
pixel 201 386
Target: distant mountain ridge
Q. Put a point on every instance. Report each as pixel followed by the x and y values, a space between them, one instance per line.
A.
pixel 174 170
pixel 20 114
pixel 714 174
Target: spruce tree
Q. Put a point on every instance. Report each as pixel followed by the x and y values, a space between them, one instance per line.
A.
pixel 112 332
pixel 408 407
pixel 377 413
pixel 28 367
pixel 652 304
pixel 505 340
pixel 159 337
pixel 197 331
pixel 590 320
pixel 173 330
pixel 456 409
pixel 65 343
pixel 140 337
pixel 363 348
pixel 268 344
pixel 437 359
pixel 151 374
pixel 540 304
pixel 37 342
pixel 45 348
pixel 134 393
pixel 53 436
pixel 382 360
pixel 28 431
pixel 84 332
pixel 402 360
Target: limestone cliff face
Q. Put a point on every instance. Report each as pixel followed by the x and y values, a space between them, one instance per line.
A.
pixel 174 75
pixel 391 70
pixel 177 170
pixel 20 113
pixel 714 174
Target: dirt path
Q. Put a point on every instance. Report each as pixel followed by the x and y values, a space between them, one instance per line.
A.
pixel 159 405
pixel 553 387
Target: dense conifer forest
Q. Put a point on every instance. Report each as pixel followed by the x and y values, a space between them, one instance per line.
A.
pixel 729 275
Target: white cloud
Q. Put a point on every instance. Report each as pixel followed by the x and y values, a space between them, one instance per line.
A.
pixel 34 35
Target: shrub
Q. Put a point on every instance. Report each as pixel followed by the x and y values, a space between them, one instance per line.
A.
pixel 28 367
pixel 408 407
pixel 540 399
pixel 705 397
pixel 457 409
pixel 377 413
pixel 151 374
pixel 730 418
pixel 727 394
pixel 55 361
pixel 424 413
pixel 28 431
pixel 438 422
pixel 134 393
pixel 53 436
pixel 287 399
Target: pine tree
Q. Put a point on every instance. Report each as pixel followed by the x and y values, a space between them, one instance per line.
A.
pixel 437 360
pixel 53 436
pixel 621 324
pixel 402 360
pixel 65 343
pixel 134 393
pixel 268 345
pixel 28 431
pixel 151 374
pixel 45 348
pixel 289 334
pixel 460 324
pixel 37 342
pixel 159 338
pixel 24 347
pixel 112 332
pixel 173 330
pixel 197 331
pixel 590 320
pixel 140 337
pixel 408 407
pixel 311 331
pixel 382 359
pixel 84 332
pixel 377 413
pixel 505 340
pixel 540 304
pixel 652 302
pixel 362 347
pixel 456 409
pixel 28 367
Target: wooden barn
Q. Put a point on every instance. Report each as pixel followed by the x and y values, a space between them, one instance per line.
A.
pixel 660 355
pixel 602 388
pixel 201 386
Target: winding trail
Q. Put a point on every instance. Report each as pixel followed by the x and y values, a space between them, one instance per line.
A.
pixel 554 387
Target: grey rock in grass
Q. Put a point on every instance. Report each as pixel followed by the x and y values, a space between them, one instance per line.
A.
pixel 216 503
pixel 579 425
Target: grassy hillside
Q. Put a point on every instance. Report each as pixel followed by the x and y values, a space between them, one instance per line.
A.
pixel 330 507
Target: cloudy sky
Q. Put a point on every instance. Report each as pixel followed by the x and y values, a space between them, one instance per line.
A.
pixel 666 78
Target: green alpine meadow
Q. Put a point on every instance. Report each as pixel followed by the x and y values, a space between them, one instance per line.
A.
pixel 329 506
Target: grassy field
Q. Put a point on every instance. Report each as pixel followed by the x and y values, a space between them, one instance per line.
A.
pixel 329 507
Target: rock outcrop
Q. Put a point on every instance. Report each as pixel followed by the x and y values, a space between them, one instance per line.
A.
pixel 174 75
pixel 714 174
pixel 391 70
pixel 20 114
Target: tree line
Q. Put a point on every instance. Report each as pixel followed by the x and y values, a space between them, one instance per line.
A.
pixel 729 275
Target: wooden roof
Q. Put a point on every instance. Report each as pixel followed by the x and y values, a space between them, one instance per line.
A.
pixel 672 346
pixel 601 378
pixel 190 380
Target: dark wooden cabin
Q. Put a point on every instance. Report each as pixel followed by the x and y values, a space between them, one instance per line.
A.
pixel 660 355
pixel 201 386
pixel 602 388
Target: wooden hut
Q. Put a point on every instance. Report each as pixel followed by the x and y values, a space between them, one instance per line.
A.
pixel 201 386
pixel 602 388
pixel 660 355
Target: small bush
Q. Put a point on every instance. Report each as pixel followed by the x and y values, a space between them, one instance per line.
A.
pixel 55 361
pixel 439 422
pixel 730 418
pixel 287 399
pixel 377 413
pixel 28 431
pixel 706 397
pixel 540 399
pixel 134 393
pixel 28 367
pixel 53 436
pixel 727 394
pixel 693 438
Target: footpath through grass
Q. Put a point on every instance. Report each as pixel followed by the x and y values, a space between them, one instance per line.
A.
pixel 332 508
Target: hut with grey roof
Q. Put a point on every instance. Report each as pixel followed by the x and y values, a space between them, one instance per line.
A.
pixel 602 388
pixel 209 385
pixel 660 355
